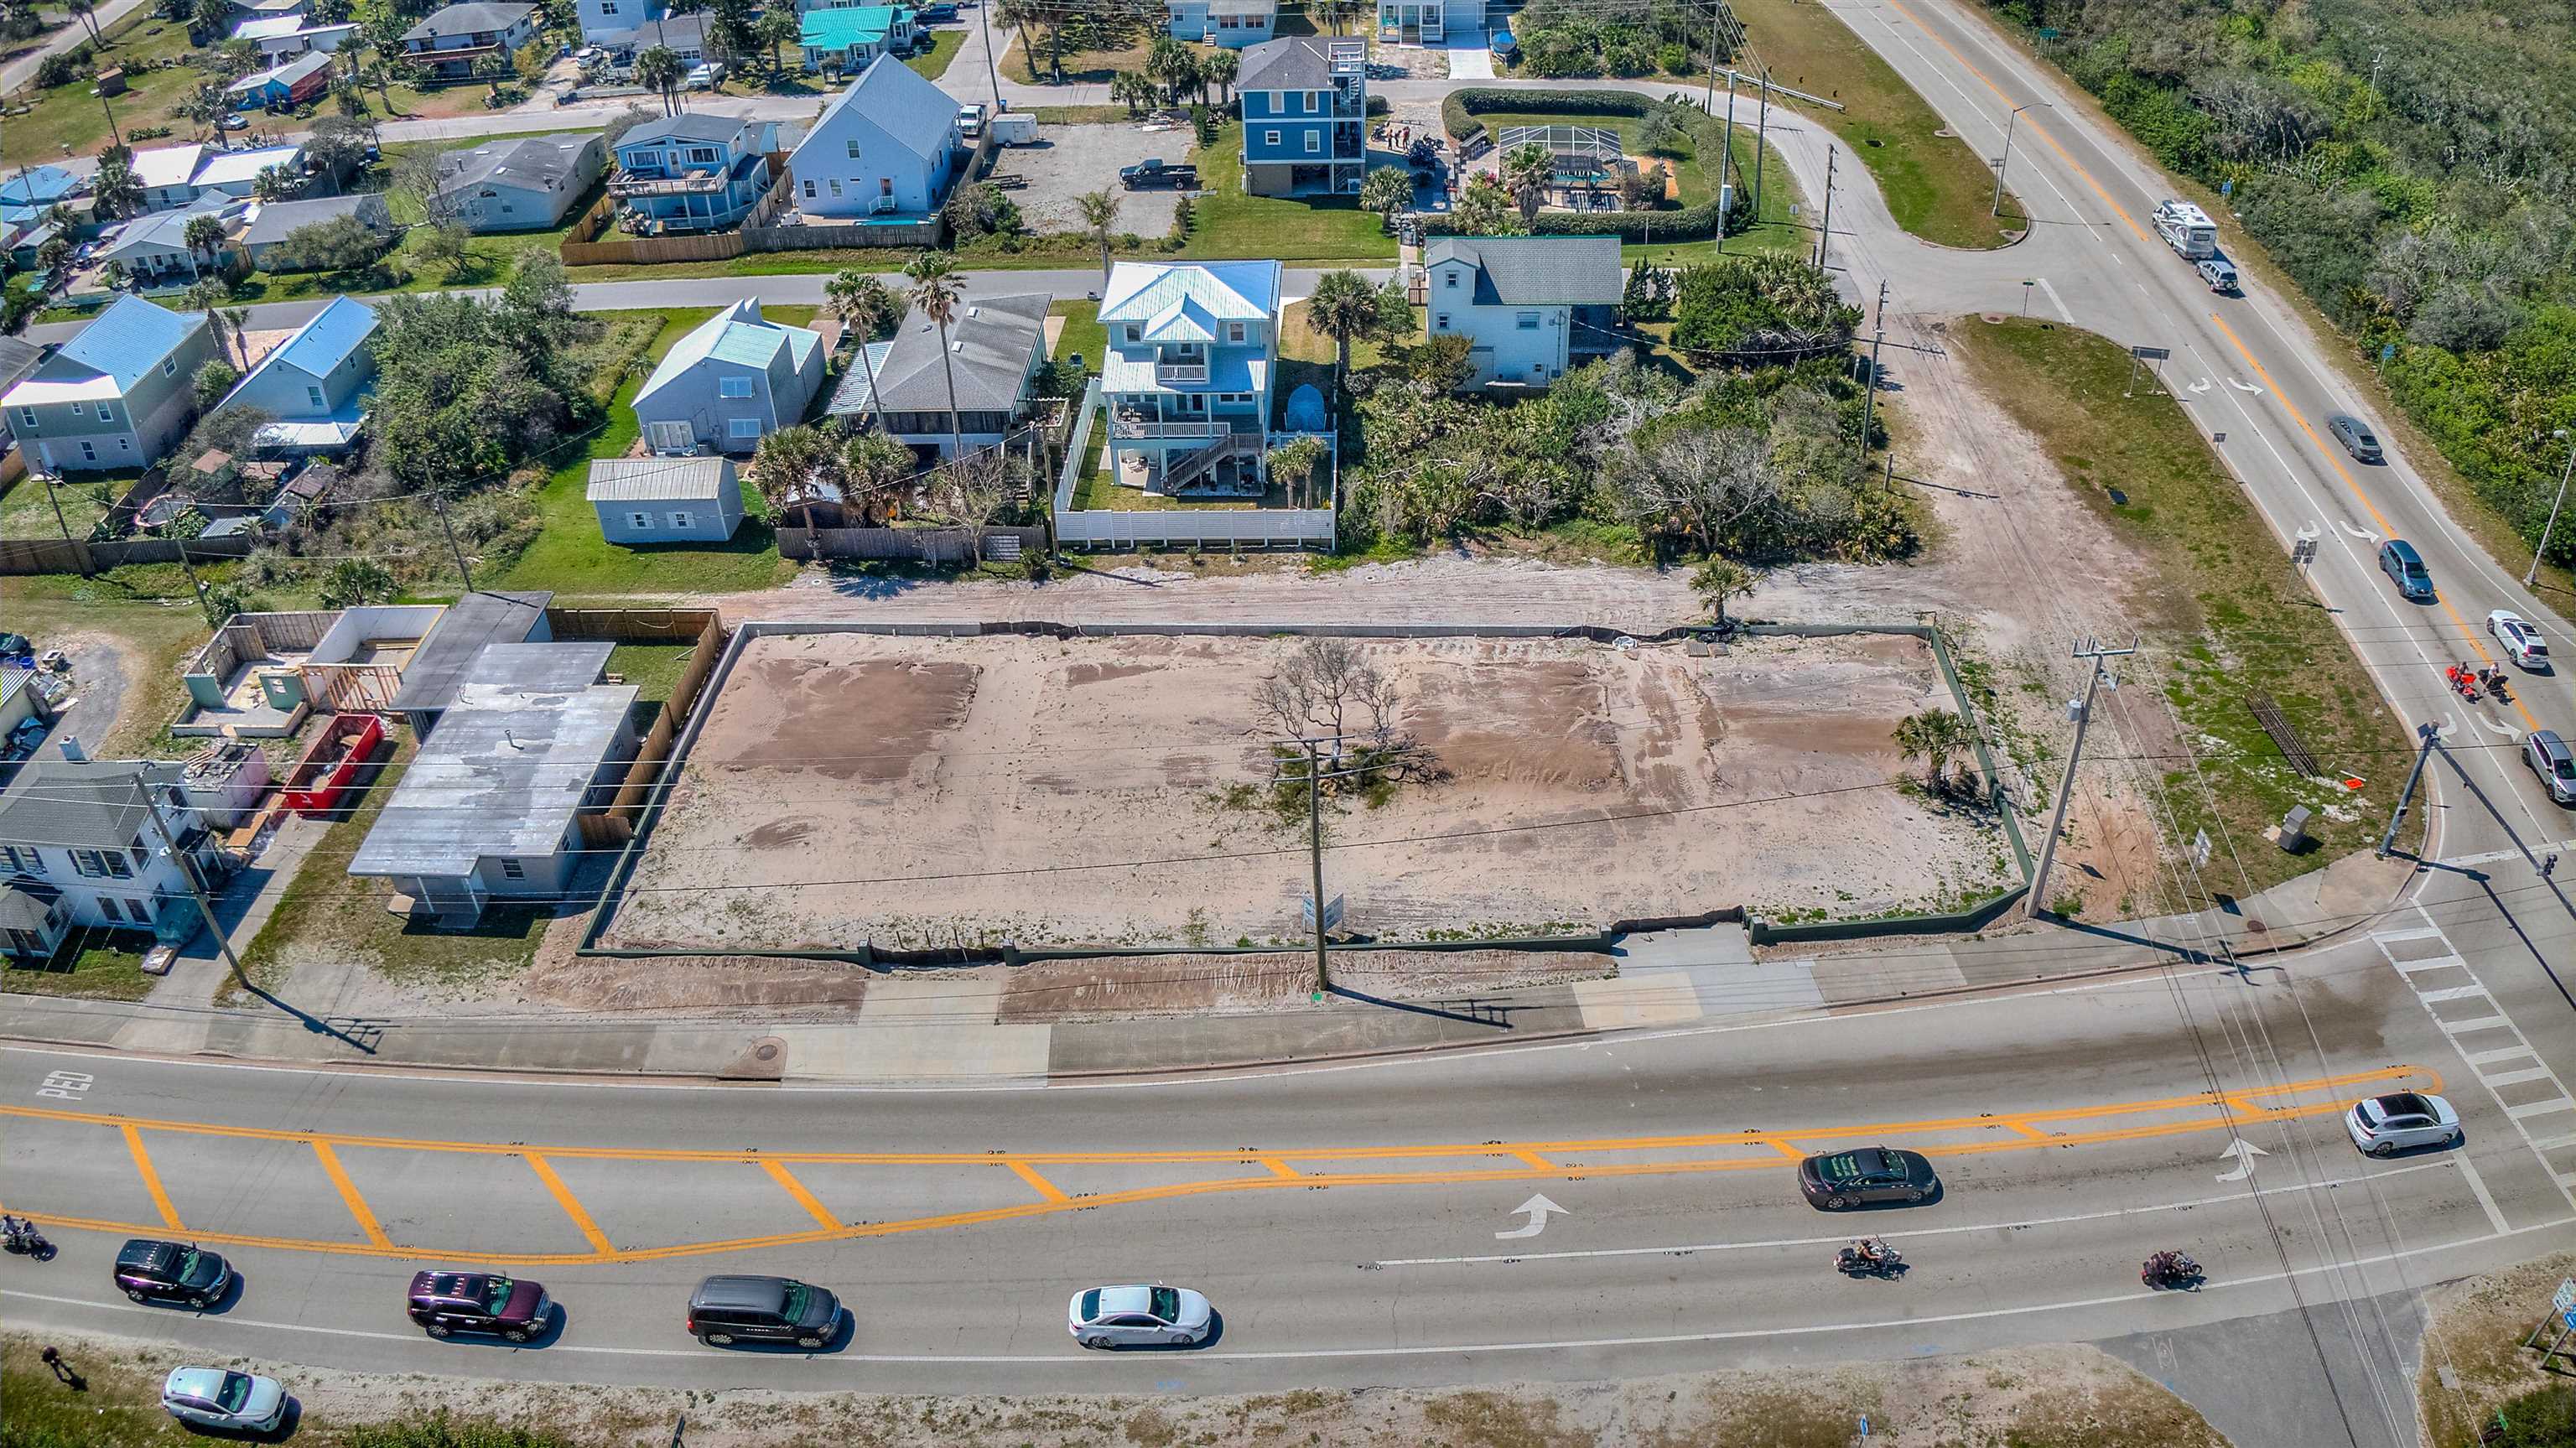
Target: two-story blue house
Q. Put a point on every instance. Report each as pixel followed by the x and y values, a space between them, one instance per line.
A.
pixel 1193 347
pixel 445 46
pixel 315 385
pixel 695 171
pixel 1305 116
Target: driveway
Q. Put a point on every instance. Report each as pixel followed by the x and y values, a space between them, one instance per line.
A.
pixel 1468 57
pixel 1068 161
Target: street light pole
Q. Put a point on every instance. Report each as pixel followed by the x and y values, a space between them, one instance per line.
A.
pixel 2547 528
pixel 1996 208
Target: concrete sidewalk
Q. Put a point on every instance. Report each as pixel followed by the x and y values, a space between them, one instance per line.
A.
pixel 913 1030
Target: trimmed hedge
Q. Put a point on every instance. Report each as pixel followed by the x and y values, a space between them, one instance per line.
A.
pixel 1458 112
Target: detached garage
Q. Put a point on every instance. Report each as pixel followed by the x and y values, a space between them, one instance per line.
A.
pixel 666 500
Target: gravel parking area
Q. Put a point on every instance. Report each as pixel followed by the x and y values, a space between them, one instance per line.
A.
pixel 1070 160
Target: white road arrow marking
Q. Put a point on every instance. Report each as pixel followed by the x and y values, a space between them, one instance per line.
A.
pixel 2203 385
pixel 2243 1152
pixel 2243 386
pixel 2506 730
pixel 1537 1209
pixel 2358 532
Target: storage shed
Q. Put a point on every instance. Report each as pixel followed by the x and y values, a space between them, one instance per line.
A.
pixel 666 500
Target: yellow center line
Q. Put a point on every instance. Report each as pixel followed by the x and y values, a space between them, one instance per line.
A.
pixel 2029 1131
pixel 1534 1159
pixel 779 1173
pixel 1045 1189
pixel 152 1179
pixel 1284 1170
pixel 571 1204
pixel 349 1193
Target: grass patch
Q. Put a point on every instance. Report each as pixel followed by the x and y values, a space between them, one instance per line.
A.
pixel 2236 620
pixel 1935 185
pixel 122 1408
pixel 1230 224
pixel 569 555
pixel 1084 67
pixel 944 45
pixel 1775 227
pixel 147 607
pixel 26 511
pixel 93 965
pixel 1082 334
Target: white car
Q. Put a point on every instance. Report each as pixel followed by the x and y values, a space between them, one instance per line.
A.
pixel 2387 1125
pixel 705 77
pixel 216 1398
pixel 1153 1315
pixel 2519 641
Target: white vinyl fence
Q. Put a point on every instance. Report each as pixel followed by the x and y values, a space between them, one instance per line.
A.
pixel 1174 527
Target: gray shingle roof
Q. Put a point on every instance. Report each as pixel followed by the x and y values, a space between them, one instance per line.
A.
pixel 1532 271
pixel 538 162
pixel 990 344
pixel 658 480
pixel 79 806
pixel 277 218
pixel 686 126
pixel 1290 63
pixel 469 18
pixel 25 906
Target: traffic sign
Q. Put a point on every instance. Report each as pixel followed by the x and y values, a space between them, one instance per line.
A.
pixel 2151 354
pixel 2564 1303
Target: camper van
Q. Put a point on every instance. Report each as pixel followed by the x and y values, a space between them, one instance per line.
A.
pixel 2187 229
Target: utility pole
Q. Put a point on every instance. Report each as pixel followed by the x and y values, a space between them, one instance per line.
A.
pixel 2533 573
pixel 1824 232
pixel 1726 161
pixel 196 583
pixel 438 510
pixel 1374 761
pixel 2082 712
pixel 1869 397
pixel 993 71
pixel 1761 142
pixel 2430 734
pixel 188 872
pixel 1997 208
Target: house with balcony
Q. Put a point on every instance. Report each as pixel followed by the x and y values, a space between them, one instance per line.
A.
pixel 603 19
pixel 886 148
pixel 1529 306
pixel 848 38
pixel 82 844
pixel 1193 348
pixel 1233 24
pixel 446 46
pixel 1429 22
pixel 1305 116
pixel 695 171
pixel 117 395
pixel 734 380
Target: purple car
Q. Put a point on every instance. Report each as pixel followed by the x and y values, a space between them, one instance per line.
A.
pixel 150 1271
pixel 446 1303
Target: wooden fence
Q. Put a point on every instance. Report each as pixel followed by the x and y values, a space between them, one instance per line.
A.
pixel 630 625
pixel 22 556
pixel 919 545
pixel 645 771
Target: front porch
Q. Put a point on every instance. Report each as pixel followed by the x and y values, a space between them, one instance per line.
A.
pixel 1224 457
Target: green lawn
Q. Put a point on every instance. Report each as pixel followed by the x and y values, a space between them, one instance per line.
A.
pixel 944 45
pixel 489 260
pixel 25 511
pixel 2235 617
pixel 1935 185
pixel 570 557
pixel 69 121
pixel 1082 333
pixel 1232 225
pixel 93 964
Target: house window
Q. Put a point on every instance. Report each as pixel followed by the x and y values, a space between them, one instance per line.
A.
pixel 1134 334
pixel 141 914
pixel 76 410
pixel 1440 322
pixel 1270 138
pixel 107 907
pixel 743 427
pixel 1314 142
pixel 22 858
pixel 704 155
pixel 1526 321
pixel 513 870
pixel 809 190
pixel 106 413
pixel 88 454
pixel 854 148
pixel 836 185
pixel 607 7
pixel 733 387
pixel 1449 279
pixel 169 366
pixel 639 520
pixel 313 394
pixel 680 518
pixel 1234 331
pixel 27 416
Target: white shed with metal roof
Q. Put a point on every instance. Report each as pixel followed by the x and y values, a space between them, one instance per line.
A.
pixel 666 500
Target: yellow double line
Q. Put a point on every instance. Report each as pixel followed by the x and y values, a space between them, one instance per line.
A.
pixel 1500 1161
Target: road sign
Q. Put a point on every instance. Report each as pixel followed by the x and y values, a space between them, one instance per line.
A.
pixel 2564 1303
pixel 2226 188
pixel 2151 354
pixel 1332 913
pixel 2387 350
pixel 2047 33
pixel 2199 849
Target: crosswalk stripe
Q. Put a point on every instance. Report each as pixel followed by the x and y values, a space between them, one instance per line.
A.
pixel 2501 1053
pixel 2450 993
pixel 2481 1023
pixel 2439 962
pixel 2538 1108
pixel 2503 1079
pixel 2398 937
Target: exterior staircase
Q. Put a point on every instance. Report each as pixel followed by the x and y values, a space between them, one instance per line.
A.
pixel 1180 469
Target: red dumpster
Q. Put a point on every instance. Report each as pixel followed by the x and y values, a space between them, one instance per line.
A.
pixel 333 760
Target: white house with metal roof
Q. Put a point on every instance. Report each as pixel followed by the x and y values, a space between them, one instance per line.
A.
pixel 887 147
pixel 1528 305
pixel 491 805
pixel 155 244
pixel 995 347
pixel 283 37
pixel 730 383
pixel 267 224
pixel 116 396
pixel 78 847
pixel 1193 347
pixel 174 176
pixel 665 500
pixel 315 383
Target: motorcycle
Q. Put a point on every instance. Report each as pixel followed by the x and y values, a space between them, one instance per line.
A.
pixel 2174 1270
pixel 2464 681
pixel 1869 1257
pixel 20 1237
pixel 2493 678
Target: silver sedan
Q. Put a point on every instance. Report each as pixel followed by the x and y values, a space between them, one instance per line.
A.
pixel 217 1398
pixel 1153 1315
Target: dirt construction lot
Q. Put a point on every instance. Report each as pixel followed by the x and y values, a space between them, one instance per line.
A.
pixel 914 792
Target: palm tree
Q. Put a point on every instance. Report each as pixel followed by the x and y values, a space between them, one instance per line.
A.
pixel 1526 172
pixel 115 192
pixel 238 319
pixel 208 297
pixel 203 234
pixel 1132 90
pixel 778 28
pixel 273 183
pixel 1933 736
pixel 1219 70
pixel 866 307
pixel 790 464
pixel 490 68
pixel 1099 212
pixel 1720 579
pixel 85 12
pixel 1344 308
pixel 1017 14
pixel 1171 64
pixel 659 69
pixel 874 467
pixel 935 290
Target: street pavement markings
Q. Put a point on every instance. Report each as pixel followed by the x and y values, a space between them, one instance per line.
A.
pixel 2522 1085
pixel 1530 1161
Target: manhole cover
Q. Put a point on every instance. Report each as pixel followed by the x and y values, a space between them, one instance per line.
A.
pixel 765 1051
pixel 1876 142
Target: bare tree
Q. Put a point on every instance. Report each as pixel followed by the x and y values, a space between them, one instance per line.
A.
pixel 1705 485
pixel 1321 688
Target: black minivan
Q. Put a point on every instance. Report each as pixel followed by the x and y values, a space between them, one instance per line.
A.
pixel 727 1310
pixel 2405 567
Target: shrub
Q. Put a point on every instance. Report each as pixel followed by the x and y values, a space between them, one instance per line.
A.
pixel 1674 58
pixel 63 67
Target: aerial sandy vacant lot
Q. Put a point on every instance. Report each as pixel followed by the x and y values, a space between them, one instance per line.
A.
pixel 912 792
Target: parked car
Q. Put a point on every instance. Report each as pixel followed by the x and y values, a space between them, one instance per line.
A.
pixel 2518 640
pixel 2550 757
pixel 216 1398
pixel 1841 1179
pixel 447 1303
pixel 705 77
pixel 1139 1316
pixel 155 1271
pixel 2405 567
pixel 2386 1125
pixel 2218 272
pixel 2355 435
pixel 727 1310
pixel 1504 47
pixel 936 15
pixel 1156 171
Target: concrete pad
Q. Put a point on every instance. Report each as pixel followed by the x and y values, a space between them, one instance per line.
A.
pixel 164 1035
pixel 1645 998
pixel 1469 57
pixel 1844 979
pixel 943 998
pixel 915 1052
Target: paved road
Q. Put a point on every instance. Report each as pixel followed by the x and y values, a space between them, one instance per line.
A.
pixel 22 70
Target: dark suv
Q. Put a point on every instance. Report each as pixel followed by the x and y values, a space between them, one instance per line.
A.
pixel 2405 568
pixel 726 1310
pixel 1870 1174
pixel 149 1271
pixel 445 1303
